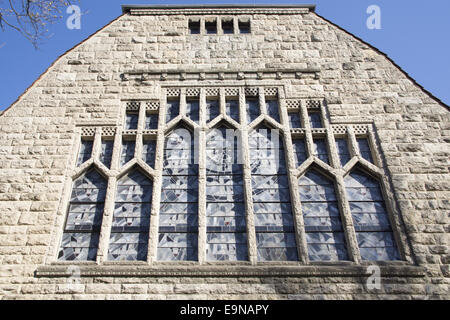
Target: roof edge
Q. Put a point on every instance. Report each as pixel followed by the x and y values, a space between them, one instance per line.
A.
pixel 127 8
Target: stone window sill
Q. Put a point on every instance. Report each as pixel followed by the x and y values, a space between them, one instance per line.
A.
pixel 233 270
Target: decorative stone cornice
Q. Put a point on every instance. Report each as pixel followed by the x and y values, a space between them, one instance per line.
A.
pixel 181 75
pixel 66 270
pixel 216 9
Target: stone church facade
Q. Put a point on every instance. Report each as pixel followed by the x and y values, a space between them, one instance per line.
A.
pixel 112 186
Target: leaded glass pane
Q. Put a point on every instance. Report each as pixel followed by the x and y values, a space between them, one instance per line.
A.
pixel 225 209
pixel 232 109
pixel 131 120
pixel 172 109
pixel 252 108
pixel 149 152
pixel 85 151
pixel 294 120
pixel 320 149
pixel 315 119
pixel 272 109
pixel 192 109
pixel 106 153
pixel 84 218
pixel 178 219
pixel 131 218
pixel 127 151
pixel 271 198
pixel 299 151
pixel 324 231
pixel 364 149
pixel 151 121
pixel 212 109
pixel 370 218
pixel 343 152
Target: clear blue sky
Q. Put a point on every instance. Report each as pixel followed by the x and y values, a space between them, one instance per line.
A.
pixel 415 34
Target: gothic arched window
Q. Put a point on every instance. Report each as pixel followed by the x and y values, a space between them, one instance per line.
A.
pixel 324 233
pixel 131 219
pixel 373 229
pixel 82 229
pixel 275 235
pixel 178 216
pixel 225 207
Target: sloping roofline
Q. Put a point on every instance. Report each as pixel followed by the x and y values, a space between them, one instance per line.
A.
pixel 126 7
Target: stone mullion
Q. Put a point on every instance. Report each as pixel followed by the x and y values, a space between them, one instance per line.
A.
pixel 222 101
pixel 201 197
pixel 202 107
pixel 353 146
pixel 108 212
pixel 302 249
pixel 304 119
pixel 157 182
pixel 334 156
pixel 262 101
pixel 97 145
pixel 183 102
pixel 347 221
pixel 250 218
pixel 117 146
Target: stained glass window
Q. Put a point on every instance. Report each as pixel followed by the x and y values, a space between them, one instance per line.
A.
pixel 212 109
pixel 320 149
pixel 225 207
pixel 85 151
pixel 294 120
pixel 342 149
pixel 178 216
pixel 299 151
pixel 106 153
pixel 275 235
pixel 172 109
pixel 364 149
pixel 149 151
pixel 81 233
pixel 131 120
pixel 315 120
pixel 272 109
pixel 324 232
pixel 370 218
pixel 232 109
pixel 252 107
pixel 127 151
pixel 151 121
pixel 192 109
pixel 131 218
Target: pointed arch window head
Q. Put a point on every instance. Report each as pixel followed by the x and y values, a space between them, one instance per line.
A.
pixel 373 229
pixel 225 207
pixel 178 216
pixel 149 151
pixel 131 218
pixel 84 218
pixel 275 234
pixel 324 232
